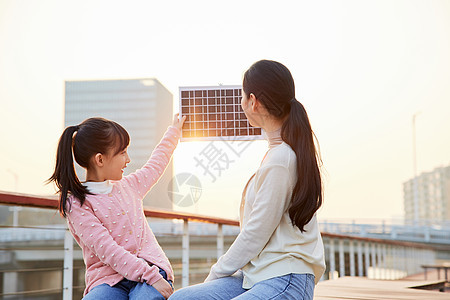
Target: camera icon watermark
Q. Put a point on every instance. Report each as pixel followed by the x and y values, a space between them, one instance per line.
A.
pixel 184 189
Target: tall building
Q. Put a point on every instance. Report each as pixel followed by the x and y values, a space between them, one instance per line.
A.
pixel 433 194
pixel 144 107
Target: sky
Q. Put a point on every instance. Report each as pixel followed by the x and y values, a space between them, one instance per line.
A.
pixel 362 70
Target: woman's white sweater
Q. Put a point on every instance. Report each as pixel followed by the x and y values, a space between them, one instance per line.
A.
pixel 268 244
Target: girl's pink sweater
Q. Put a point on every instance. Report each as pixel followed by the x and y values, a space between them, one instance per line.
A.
pixel 112 231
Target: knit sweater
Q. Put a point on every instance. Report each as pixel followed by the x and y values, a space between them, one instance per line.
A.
pixel 112 230
pixel 268 245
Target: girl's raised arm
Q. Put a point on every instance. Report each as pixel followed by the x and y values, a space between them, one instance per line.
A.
pixel 146 177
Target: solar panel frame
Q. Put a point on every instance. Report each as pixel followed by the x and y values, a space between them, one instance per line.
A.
pixel 215 113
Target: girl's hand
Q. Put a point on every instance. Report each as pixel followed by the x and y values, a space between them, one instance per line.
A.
pixel 178 122
pixel 163 287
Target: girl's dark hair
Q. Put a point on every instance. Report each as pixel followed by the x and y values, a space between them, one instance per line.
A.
pixel 272 84
pixel 92 136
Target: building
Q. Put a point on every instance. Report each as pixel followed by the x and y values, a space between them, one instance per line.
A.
pixel 433 194
pixel 144 107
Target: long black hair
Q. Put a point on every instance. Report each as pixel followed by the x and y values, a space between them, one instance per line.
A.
pixel 272 84
pixel 92 136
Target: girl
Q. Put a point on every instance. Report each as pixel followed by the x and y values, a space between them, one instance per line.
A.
pixel 279 252
pixel 105 213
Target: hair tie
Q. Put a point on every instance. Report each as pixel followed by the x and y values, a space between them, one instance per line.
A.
pixel 77 127
pixel 293 100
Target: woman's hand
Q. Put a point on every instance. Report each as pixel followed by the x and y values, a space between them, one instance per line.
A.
pixel 178 122
pixel 163 287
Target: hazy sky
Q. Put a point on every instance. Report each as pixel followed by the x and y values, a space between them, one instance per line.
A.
pixel 362 69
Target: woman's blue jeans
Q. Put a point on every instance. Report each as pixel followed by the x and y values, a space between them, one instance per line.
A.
pixel 291 286
pixel 126 289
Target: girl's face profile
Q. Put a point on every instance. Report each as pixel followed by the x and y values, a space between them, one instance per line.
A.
pixel 115 164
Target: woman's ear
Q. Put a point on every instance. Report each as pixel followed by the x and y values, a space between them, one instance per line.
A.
pixel 253 102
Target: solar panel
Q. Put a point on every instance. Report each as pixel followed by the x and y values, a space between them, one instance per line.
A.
pixel 215 113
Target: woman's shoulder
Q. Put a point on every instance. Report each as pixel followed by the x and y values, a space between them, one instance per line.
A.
pixel 281 155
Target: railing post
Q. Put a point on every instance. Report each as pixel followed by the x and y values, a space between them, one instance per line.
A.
pixel 374 259
pixel 390 256
pixel 352 258
pixel 219 240
pixel 360 260
pixel 423 259
pixel 405 260
pixel 384 260
pixel 185 256
pixel 416 260
pixel 402 265
pixel 396 262
pixel 380 262
pixel 393 263
pixel 68 266
pixel 367 259
pixel 10 282
pixel 341 258
pixel 410 261
pixel 401 261
pixel 332 261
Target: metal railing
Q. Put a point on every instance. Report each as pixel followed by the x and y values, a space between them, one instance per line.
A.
pixel 411 233
pixel 346 255
pixel 374 258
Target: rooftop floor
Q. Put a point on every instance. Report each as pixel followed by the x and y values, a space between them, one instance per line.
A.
pixel 370 289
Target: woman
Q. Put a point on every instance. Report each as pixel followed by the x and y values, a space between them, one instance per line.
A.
pixel 279 252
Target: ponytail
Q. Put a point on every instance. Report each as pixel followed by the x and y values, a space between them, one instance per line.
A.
pixel 64 175
pixel 273 85
pixel 307 194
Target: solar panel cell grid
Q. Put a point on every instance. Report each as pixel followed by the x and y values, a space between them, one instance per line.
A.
pixel 214 113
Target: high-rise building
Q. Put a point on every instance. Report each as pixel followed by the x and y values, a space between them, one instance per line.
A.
pixel 144 107
pixel 433 195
